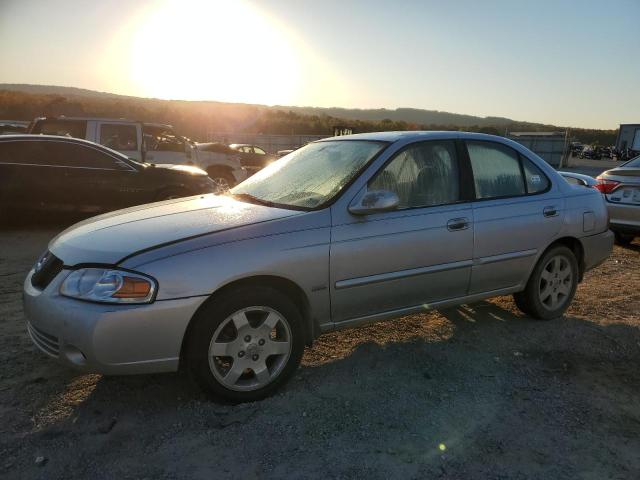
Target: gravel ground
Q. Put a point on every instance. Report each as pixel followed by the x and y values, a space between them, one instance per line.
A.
pixel 478 391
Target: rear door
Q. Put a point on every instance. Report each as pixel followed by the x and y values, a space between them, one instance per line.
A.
pixel 94 180
pixel 517 212
pixel 28 176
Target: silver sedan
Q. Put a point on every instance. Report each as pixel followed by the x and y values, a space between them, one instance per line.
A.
pixel 621 189
pixel 340 233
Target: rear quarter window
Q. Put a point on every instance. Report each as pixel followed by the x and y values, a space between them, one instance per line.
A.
pixel 535 179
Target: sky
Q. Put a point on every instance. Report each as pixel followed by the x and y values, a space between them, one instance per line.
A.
pixel 563 62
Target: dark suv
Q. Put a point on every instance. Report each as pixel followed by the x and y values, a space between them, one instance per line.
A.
pixel 66 174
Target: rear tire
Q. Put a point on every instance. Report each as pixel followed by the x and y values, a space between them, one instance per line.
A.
pixel 258 335
pixel 623 238
pixel 551 286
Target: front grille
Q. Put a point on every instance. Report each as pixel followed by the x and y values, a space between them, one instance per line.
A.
pixel 46 270
pixel 44 341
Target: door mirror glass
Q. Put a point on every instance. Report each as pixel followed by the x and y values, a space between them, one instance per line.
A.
pixel 375 201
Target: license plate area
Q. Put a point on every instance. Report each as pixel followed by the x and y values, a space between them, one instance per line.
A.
pixel 627 195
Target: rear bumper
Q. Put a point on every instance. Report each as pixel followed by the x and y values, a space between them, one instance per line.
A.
pixel 597 249
pixel 625 228
pixel 624 218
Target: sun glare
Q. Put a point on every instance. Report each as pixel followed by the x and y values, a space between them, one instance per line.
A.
pixel 222 50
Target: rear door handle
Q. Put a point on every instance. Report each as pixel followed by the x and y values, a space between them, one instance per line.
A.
pixel 457 224
pixel 550 211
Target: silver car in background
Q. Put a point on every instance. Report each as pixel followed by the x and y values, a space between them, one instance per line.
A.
pixel 621 189
pixel 340 233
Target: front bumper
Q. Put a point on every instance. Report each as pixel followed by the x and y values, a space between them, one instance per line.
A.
pixel 597 249
pixel 102 338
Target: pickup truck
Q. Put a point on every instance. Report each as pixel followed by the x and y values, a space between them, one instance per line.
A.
pixel 146 142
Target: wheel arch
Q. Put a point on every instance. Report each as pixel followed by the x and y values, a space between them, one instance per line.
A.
pixel 282 284
pixel 575 245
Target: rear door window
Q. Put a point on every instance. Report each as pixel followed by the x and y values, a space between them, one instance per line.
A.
pixel 79 156
pixel 496 170
pixel 29 153
pixel 119 136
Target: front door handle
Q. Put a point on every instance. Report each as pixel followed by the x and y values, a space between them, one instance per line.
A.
pixel 550 211
pixel 457 224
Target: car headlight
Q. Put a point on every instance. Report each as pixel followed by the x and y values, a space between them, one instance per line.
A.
pixel 109 286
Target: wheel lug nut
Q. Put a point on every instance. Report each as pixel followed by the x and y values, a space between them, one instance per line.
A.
pixel 255 357
pixel 241 353
pixel 261 342
pixel 247 338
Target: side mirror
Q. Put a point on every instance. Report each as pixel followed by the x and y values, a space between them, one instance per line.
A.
pixel 374 201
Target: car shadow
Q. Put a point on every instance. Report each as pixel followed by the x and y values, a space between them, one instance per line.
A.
pixel 634 247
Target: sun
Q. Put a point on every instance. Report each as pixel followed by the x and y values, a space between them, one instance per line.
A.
pixel 212 49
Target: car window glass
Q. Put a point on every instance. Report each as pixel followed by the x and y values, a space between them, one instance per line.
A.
pixel 74 155
pixel 496 170
pixel 259 151
pixel 119 137
pixel 26 153
pixel 64 128
pixel 312 175
pixel 163 140
pixel 422 175
pixel 536 180
pixel 10 152
pixel 573 181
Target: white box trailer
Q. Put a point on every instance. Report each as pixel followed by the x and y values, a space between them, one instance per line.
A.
pixel 628 137
pixel 551 146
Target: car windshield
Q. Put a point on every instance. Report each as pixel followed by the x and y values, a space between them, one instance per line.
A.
pixel 634 162
pixel 311 176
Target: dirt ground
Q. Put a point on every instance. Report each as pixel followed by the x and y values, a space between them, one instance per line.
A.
pixel 473 392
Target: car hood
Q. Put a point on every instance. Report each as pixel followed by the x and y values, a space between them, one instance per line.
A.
pixel 110 237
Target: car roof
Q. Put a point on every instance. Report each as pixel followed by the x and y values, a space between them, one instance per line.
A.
pixel 409 136
pixel 58 138
pixel 39 137
pixel 63 118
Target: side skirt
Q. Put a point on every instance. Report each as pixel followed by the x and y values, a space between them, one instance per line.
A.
pixel 360 321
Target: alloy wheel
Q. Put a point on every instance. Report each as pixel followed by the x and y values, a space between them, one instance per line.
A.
pixel 250 348
pixel 220 185
pixel 556 282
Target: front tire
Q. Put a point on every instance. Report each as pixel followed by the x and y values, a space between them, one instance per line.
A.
pixel 245 345
pixel 551 286
pixel 222 179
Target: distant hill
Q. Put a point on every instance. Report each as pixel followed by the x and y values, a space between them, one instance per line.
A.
pixel 55 90
pixel 409 115
pixel 199 119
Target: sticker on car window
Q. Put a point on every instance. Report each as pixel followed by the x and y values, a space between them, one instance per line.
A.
pixel 535 178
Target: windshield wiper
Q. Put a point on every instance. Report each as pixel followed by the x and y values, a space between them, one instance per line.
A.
pixel 247 197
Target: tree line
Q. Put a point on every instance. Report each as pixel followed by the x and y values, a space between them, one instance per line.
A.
pixel 198 119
